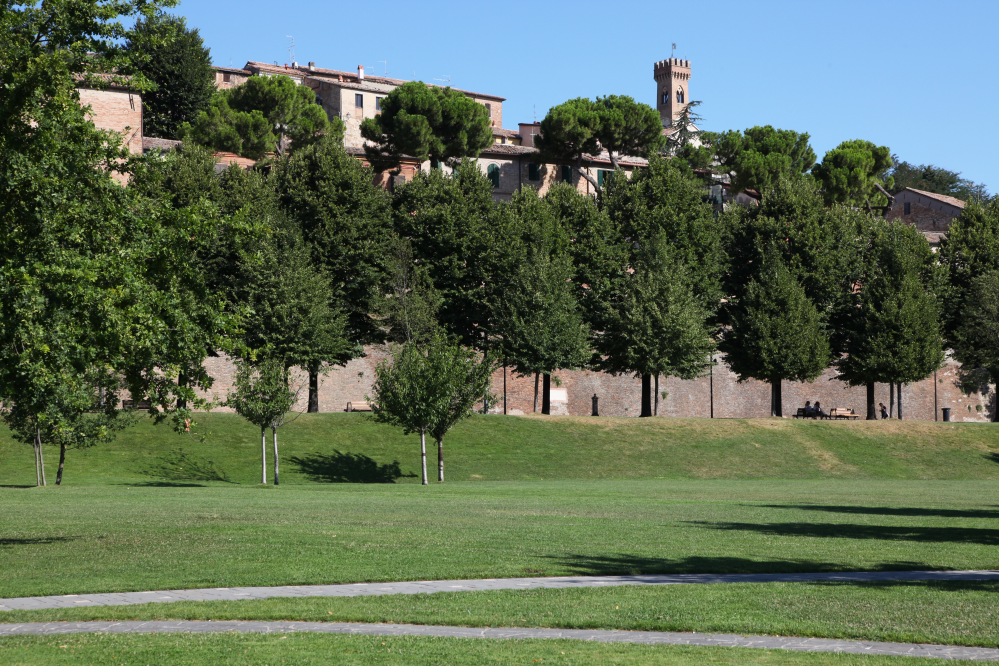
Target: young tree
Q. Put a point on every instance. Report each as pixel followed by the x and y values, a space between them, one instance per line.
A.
pixel 975 340
pixel 581 127
pixel 261 394
pixel 894 335
pixel 853 172
pixel 175 58
pixel 658 326
pixel 762 156
pixel 775 332
pixel 427 122
pixel 427 388
pixel 258 116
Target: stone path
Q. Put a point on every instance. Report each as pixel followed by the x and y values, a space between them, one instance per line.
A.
pixel 416 587
pixel 642 637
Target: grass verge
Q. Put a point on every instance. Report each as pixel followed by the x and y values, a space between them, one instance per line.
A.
pixel 965 613
pixel 305 649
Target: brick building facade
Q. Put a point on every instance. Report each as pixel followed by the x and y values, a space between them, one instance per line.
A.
pixel 930 213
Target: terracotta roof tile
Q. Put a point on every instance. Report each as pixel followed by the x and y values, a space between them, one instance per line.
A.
pixel 953 201
pixel 149 143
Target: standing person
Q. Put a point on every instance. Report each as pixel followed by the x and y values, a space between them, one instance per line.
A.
pixel 884 411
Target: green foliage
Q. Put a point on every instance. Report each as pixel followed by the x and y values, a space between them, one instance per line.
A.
pixel 261 116
pixel 628 127
pixel 683 134
pixel 894 335
pixel 762 156
pixel 427 122
pixel 969 251
pixel 409 310
pixel 975 340
pixel 659 324
pixel 929 178
pixel 261 393
pixel 175 59
pixel 775 332
pixel 459 236
pixel 345 219
pixel 850 173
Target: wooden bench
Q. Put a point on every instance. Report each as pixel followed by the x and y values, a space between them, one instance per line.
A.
pixel 131 404
pixel 841 413
pixel 359 406
pixel 802 415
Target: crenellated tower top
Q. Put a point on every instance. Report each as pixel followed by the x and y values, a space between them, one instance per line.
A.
pixel 672 95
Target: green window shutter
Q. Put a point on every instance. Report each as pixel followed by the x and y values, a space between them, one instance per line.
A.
pixel 600 177
pixel 533 173
pixel 566 174
pixel 493 172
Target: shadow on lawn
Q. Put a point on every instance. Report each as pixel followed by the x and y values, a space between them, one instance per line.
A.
pixel 890 511
pixel 623 564
pixel 177 465
pixel 40 541
pixel 163 484
pixel 994 457
pixel 347 468
pixel 985 537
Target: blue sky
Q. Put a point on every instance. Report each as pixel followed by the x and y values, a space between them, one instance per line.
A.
pixel 917 76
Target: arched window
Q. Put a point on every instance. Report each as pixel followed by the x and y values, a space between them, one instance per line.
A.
pixel 679 95
pixel 665 97
pixel 493 172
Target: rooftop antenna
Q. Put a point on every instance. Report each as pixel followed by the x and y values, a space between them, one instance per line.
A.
pixel 674 49
pixel 446 79
pixel 291 49
pixel 535 114
pixel 385 63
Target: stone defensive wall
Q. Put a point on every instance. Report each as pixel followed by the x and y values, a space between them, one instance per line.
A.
pixel 718 393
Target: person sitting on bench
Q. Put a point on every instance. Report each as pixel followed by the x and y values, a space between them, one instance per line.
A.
pixel 818 409
pixel 808 408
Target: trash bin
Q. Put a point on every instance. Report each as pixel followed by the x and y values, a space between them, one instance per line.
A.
pixel 946 414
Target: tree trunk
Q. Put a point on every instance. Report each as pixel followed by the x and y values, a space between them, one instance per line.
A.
pixel 588 177
pixel 891 399
pixel 313 389
pixel 655 404
pixel 613 159
pixel 423 457
pixel 504 386
pixel 546 397
pixel 62 462
pixel 900 401
pixel 41 456
pixel 263 456
pixel 776 400
pixel 181 382
pixel 871 407
pixel 440 459
pixel 274 435
pixel 38 465
pixel 646 395
pixel 536 377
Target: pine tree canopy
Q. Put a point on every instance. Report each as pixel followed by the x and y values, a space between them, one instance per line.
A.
pixel 761 156
pixel 850 173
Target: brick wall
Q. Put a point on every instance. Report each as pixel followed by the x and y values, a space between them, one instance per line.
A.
pixel 119 111
pixel 921 216
pixel 621 395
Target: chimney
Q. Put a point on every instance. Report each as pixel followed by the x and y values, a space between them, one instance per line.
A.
pixel 360 72
pixel 312 66
pixel 294 65
pixel 527 133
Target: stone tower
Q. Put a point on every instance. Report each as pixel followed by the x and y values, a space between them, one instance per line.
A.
pixel 672 78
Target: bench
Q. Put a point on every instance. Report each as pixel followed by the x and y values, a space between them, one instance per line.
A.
pixel 359 406
pixel 841 413
pixel 802 415
pixel 131 404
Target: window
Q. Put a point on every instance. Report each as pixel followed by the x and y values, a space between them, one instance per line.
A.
pixel 493 172
pixel 665 97
pixel 908 208
pixel 533 173
pixel 359 101
pixel 319 100
pixel 226 77
pixel 679 95
pixel 378 103
pixel 566 174
pixel 604 175
pixel 489 108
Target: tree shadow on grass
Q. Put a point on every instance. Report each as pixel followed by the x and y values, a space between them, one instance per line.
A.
pixel 347 468
pixel 39 541
pixel 180 466
pixel 623 564
pixel 163 484
pixel 14 485
pixel 994 457
pixel 890 511
pixel 985 537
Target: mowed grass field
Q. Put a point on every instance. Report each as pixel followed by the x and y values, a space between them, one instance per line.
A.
pixel 527 496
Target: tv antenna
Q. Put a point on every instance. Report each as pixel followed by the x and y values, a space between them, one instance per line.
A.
pixel 446 79
pixel 385 63
pixel 673 50
pixel 291 49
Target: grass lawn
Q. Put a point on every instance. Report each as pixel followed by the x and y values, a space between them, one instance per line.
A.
pixel 303 649
pixel 965 613
pixel 119 538
pixel 350 447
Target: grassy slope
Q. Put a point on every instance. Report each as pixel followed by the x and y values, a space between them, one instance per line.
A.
pixel 93 539
pixel 305 649
pixel 964 613
pixel 531 448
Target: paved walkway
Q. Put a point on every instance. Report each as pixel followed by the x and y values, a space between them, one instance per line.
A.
pixel 367 589
pixel 642 637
